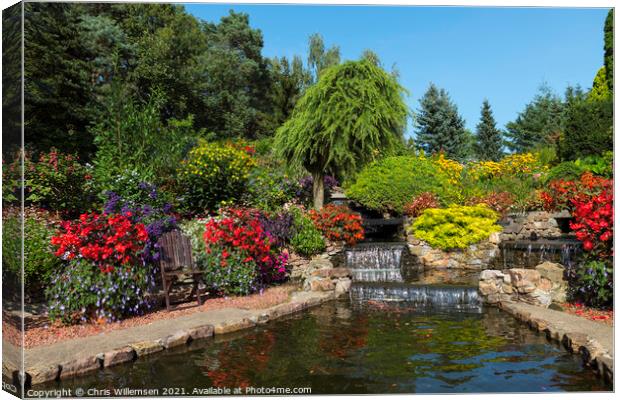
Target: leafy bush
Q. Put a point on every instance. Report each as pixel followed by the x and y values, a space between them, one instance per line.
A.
pixel 339 223
pixel 455 226
pixel 132 137
pixel 421 203
pixel 229 273
pixel 389 184
pixel 559 194
pixel 279 227
pixel 307 240
pixel 523 190
pixel 568 170
pixel 80 292
pixel 602 165
pixel 269 189
pixel 239 235
pixel 39 259
pixel 591 282
pixel 499 202
pixel 147 206
pixel 54 181
pixel 214 173
pixel 594 223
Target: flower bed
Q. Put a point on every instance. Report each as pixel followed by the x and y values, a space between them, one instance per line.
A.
pixel 339 223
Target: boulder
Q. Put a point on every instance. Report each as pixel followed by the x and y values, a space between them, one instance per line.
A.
pixel 552 271
pixel 343 286
pixel 322 285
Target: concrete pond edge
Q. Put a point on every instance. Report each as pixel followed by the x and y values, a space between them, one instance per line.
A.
pixel 45 373
pixel 592 352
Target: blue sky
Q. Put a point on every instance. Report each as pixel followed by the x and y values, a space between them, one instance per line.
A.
pixel 502 54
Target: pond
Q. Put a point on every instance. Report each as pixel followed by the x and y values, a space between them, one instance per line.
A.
pixel 363 347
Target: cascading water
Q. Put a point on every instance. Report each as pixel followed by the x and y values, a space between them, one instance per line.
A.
pixel 378 270
pixel 530 253
pixel 376 262
pixel 458 297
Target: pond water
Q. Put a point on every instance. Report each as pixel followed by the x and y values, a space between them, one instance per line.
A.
pixel 363 347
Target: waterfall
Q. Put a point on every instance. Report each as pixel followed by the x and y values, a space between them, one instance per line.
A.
pixel 376 262
pixel 525 253
pixel 457 297
pixel 378 270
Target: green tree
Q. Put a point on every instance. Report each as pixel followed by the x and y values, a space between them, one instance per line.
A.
pixel 440 128
pixel 609 49
pixel 319 58
pixel 289 80
pixel 58 84
pixel 235 80
pixel 600 86
pixel 354 112
pixel 538 125
pixel 488 137
pixel 588 126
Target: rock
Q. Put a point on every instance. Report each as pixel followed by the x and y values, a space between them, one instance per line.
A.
pixel 318 263
pixel 524 278
pixel 176 339
pixel 232 326
pixel 343 286
pixel 118 356
pixel 495 238
pixel 147 347
pixel 487 287
pixel 552 271
pixel 201 332
pixel 321 273
pixel 489 274
pixel 545 284
pixel 78 367
pixel 39 374
pixel 322 285
pixel 507 288
pixel 539 297
pixel 493 298
pixel 340 272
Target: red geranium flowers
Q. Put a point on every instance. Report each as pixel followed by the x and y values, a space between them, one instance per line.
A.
pixel 240 230
pixel 107 240
pixel 339 223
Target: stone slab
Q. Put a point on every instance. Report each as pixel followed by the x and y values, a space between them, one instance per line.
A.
pixel 593 340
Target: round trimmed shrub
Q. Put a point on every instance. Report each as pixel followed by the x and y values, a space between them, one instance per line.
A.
pixel 455 227
pixel 391 183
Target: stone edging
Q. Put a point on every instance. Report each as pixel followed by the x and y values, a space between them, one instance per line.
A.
pixel 593 353
pixel 43 373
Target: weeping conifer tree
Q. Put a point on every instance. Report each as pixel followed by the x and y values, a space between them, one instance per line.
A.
pixel 354 113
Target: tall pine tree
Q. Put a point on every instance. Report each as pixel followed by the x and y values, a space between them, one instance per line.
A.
pixel 539 124
pixel 439 127
pixel 488 137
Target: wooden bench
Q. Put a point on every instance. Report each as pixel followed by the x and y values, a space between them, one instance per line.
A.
pixel 175 260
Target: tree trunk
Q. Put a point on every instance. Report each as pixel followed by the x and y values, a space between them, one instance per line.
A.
pixel 318 190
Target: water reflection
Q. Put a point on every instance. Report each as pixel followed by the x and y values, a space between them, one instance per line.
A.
pixel 372 348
